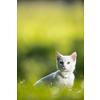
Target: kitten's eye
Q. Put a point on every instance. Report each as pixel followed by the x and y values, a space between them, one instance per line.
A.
pixel 68 62
pixel 61 62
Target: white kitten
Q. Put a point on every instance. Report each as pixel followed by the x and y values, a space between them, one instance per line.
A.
pixel 64 75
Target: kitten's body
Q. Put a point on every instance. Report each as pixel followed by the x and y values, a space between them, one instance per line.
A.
pixel 64 75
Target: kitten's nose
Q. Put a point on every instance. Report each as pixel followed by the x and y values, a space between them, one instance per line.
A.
pixel 64 66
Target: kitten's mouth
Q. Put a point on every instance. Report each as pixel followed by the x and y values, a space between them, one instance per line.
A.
pixel 65 69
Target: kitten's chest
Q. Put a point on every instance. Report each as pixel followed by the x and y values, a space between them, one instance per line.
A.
pixel 63 80
pixel 67 80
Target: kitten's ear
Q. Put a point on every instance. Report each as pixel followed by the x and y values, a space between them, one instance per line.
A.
pixel 73 55
pixel 58 55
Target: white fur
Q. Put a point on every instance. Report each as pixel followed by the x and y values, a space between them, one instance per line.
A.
pixel 64 75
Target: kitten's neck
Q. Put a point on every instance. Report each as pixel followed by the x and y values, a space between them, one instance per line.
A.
pixel 65 74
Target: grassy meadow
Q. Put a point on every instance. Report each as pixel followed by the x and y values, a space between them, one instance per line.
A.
pixel 42 29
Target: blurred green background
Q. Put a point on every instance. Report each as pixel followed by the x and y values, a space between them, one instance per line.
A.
pixel 44 27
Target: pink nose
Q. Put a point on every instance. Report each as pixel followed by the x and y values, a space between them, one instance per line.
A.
pixel 64 66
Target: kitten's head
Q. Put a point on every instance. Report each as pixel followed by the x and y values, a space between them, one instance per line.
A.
pixel 66 63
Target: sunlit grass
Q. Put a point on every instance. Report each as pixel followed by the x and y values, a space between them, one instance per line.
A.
pixel 48 24
pixel 27 92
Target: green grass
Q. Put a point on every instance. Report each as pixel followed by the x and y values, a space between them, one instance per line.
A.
pixel 27 92
pixel 42 29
